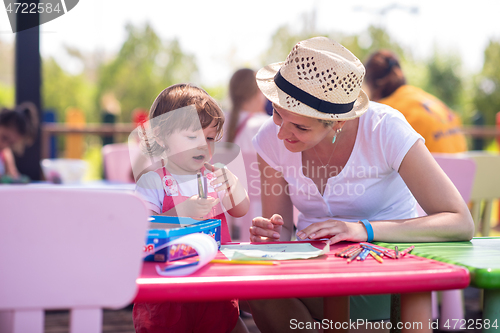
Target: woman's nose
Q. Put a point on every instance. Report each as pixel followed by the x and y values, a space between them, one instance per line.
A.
pixel 283 132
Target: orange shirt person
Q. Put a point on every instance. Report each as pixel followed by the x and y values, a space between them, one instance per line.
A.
pixel 429 116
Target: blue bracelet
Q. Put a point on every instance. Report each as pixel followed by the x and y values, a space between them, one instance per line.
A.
pixel 369 229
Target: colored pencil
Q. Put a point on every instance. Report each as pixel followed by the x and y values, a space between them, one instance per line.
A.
pixel 345 249
pixel 408 250
pixel 376 257
pixel 354 255
pixel 362 256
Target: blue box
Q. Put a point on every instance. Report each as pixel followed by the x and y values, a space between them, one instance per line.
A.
pixel 164 229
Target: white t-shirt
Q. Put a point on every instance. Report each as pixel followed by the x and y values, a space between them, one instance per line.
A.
pixel 150 188
pixel 252 126
pixel 368 187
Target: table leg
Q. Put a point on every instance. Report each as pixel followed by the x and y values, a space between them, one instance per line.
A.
pixel 20 321
pixel 416 312
pixel 86 320
pixel 491 310
pixel 336 310
pixel 395 313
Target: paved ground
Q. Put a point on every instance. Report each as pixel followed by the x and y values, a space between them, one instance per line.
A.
pixel 120 321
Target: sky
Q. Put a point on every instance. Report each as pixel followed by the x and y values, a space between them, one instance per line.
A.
pixel 226 34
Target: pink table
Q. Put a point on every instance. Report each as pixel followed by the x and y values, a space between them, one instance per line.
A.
pixel 320 277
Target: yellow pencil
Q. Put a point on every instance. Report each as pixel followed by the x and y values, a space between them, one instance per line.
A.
pixel 376 256
pixel 244 262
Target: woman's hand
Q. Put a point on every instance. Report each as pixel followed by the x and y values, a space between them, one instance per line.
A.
pixel 196 207
pixel 335 230
pixel 266 230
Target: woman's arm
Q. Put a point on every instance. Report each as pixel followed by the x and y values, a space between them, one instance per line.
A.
pixel 448 217
pixel 277 208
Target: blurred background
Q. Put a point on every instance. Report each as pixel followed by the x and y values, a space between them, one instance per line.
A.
pixel 106 61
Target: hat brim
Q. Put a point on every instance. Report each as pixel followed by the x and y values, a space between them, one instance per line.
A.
pixel 265 81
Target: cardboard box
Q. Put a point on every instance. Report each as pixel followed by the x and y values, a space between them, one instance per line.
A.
pixel 164 229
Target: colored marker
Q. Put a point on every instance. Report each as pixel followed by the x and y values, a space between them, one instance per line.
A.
pixel 201 193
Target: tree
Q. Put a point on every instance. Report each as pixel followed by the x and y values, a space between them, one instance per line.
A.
pixel 144 66
pixel 6 74
pixel 444 80
pixel 487 84
pixel 61 90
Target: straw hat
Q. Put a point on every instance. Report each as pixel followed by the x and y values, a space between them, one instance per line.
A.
pixel 320 79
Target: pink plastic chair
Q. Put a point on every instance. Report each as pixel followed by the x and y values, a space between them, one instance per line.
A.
pixel 116 161
pixel 461 170
pixel 67 249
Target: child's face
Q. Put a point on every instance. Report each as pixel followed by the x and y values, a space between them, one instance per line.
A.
pixel 8 137
pixel 189 149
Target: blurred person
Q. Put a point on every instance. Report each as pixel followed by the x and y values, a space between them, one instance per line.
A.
pixel 248 110
pixel 429 116
pixel 247 115
pixel 18 128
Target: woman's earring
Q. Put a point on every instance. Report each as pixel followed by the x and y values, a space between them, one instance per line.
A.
pixel 336 133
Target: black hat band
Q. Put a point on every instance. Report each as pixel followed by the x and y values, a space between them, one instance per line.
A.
pixel 310 100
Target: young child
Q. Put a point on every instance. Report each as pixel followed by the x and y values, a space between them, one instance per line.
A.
pixel 186 122
pixel 18 128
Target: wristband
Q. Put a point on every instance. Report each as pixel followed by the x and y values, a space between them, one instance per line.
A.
pixel 369 229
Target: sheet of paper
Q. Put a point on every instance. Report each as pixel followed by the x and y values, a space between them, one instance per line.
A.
pixel 284 251
pixel 205 246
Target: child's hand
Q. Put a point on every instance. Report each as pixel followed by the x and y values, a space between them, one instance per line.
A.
pixel 222 179
pixel 196 207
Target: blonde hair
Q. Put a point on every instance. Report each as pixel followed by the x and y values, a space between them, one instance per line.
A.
pixel 242 87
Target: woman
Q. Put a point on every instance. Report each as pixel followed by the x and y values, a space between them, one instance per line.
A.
pixel 353 168
pixel 430 117
pixel 18 128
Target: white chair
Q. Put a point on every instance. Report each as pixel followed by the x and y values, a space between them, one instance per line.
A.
pixel 67 249
pixel 486 189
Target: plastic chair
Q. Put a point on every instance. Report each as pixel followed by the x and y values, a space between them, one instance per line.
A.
pixel 462 171
pixel 117 162
pixel 486 189
pixel 67 249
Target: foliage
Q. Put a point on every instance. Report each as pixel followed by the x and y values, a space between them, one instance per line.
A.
pixel 444 78
pixel 144 66
pixel 6 74
pixel 487 84
pixel 6 95
pixel 61 90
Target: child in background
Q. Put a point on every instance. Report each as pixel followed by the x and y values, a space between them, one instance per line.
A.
pixel 186 122
pixel 18 128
